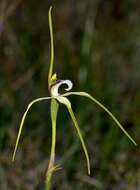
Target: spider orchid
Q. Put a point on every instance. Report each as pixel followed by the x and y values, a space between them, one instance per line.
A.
pixel 56 98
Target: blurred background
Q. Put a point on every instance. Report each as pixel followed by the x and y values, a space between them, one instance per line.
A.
pixel 97 46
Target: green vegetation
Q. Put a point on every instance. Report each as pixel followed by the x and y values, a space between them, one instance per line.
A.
pixel 97 48
pixel 54 85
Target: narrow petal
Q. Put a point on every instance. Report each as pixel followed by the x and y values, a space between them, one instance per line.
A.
pixel 104 108
pixel 22 122
pixel 52 45
pixel 67 103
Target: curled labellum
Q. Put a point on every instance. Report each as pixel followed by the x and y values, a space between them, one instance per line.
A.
pixel 55 87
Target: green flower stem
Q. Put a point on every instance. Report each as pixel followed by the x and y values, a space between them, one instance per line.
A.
pixel 51 167
pixel 55 96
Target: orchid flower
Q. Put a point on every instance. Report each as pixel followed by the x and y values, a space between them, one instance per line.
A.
pixel 56 99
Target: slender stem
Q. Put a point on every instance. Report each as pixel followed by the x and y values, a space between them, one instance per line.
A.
pixel 52 46
pixel 51 168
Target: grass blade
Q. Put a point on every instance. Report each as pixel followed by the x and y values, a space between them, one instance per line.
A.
pixel 105 109
pixel 67 103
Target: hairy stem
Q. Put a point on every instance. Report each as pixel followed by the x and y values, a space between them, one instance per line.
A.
pixel 51 167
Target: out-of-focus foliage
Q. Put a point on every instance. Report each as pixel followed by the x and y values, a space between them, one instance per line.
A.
pixel 97 46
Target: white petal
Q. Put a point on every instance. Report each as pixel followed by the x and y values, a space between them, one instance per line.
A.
pixel 55 87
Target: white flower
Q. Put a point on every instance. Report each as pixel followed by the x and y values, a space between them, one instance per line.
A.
pixel 55 87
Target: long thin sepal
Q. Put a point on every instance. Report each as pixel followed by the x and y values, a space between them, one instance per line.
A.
pixel 67 103
pixel 52 45
pixel 51 167
pixel 104 108
pixel 22 123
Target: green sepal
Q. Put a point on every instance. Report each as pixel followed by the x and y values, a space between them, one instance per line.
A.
pixel 67 103
pixel 105 109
